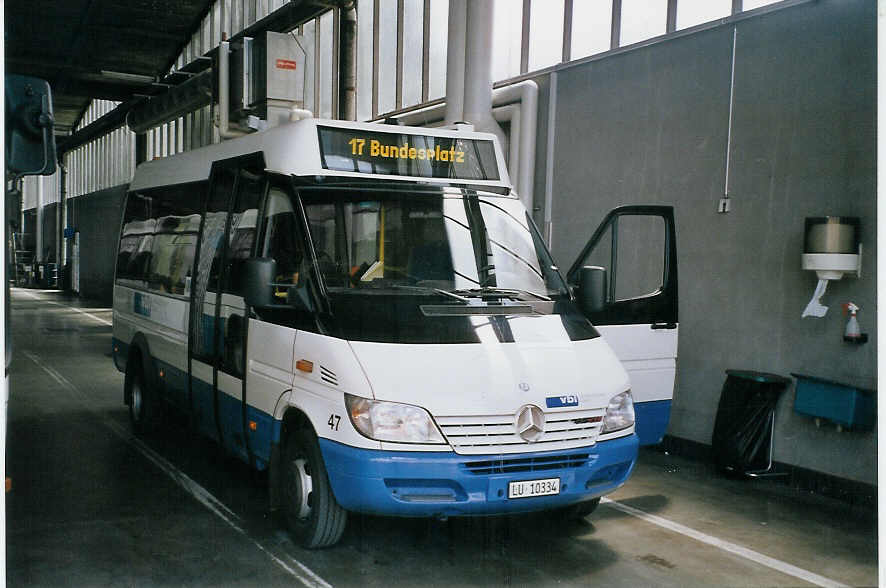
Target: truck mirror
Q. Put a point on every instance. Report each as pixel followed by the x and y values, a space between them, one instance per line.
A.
pixel 592 288
pixel 259 279
pixel 30 143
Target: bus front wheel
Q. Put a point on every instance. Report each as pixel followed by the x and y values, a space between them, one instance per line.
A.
pixel 575 512
pixel 314 517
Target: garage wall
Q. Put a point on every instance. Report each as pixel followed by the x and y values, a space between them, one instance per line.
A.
pixel 97 217
pixel 650 126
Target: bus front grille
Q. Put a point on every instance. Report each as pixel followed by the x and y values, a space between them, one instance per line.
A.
pixel 477 435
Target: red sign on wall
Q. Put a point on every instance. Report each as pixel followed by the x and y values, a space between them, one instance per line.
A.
pixel 285 64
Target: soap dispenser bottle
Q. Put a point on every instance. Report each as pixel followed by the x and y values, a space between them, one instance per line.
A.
pixel 852 329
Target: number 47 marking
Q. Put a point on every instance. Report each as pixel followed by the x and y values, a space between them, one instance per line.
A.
pixel 333 421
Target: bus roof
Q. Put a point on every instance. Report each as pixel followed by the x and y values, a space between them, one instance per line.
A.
pixel 315 147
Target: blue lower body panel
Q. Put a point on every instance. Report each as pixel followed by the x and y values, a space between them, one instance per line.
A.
pixel 420 484
pixel 652 420
pixel 200 404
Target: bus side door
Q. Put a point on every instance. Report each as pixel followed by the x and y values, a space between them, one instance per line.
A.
pixel 218 325
pixel 637 247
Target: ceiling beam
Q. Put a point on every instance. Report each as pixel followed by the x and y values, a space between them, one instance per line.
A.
pixel 98 128
pixel 192 30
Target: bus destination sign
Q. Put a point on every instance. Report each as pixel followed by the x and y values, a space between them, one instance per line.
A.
pixel 399 154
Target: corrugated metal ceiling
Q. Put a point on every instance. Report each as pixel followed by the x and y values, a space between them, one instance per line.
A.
pixel 71 43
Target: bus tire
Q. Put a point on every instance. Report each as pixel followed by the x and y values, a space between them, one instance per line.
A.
pixel 314 517
pixel 575 512
pixel 142 402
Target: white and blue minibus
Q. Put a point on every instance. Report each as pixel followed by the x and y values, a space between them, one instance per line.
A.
pixel 368 312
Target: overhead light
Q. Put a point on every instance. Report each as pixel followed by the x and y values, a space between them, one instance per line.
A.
pixel 128 77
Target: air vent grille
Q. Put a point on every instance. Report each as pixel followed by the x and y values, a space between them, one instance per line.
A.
pixel 526 464
pixel 328 376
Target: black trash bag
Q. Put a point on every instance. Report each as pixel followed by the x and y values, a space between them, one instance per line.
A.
pixel 742 438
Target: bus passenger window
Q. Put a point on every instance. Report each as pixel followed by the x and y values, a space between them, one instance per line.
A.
pixel 137 268
pixel 135 242
pixel 173 257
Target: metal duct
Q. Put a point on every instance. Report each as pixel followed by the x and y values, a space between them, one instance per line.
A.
pixel 478 69
pixel 455 62
pixel 177 102
pixel 224 93
pixel 516 104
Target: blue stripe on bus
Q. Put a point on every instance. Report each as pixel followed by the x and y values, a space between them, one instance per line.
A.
pixel 652 420
pixel 415 483
pixel 175 388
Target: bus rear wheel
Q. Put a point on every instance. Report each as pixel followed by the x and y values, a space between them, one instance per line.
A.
pixel 142 403
pixel 314 517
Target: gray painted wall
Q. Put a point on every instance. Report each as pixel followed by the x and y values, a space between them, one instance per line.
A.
pixel 650 126
pixel 97 217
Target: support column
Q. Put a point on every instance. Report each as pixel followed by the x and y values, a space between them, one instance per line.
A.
pixel 38 227
pixel 347 70
pixel 62 217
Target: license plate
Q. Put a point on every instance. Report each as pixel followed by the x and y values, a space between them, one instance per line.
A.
pixel 528 488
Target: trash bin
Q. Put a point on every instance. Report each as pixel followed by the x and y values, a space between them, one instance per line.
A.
pixel 743 429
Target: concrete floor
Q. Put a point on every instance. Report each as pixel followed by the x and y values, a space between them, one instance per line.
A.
pixel 93 505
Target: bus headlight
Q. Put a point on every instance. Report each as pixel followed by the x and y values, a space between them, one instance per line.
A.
pixel 619 414
pixel 392 421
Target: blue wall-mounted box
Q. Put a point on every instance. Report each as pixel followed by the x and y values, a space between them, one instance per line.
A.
pixel 849 406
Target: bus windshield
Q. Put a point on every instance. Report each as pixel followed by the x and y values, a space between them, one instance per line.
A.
pixel 455 242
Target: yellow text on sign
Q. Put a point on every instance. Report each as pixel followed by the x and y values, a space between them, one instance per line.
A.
pixel 378 149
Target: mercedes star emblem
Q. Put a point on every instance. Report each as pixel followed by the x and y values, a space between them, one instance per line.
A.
pixel 530 423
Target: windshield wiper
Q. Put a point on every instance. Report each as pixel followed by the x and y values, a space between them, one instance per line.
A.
pixel 440 291
pixel 515 293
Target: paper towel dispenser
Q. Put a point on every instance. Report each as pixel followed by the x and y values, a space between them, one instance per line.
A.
pixel 831 248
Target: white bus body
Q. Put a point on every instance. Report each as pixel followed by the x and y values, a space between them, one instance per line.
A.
pixel 368 312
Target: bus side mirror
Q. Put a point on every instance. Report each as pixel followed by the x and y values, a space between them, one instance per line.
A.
pixel 591 292
pixel 30 143
pixel 259 280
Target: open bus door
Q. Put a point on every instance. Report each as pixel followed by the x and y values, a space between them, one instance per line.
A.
pixel 634 249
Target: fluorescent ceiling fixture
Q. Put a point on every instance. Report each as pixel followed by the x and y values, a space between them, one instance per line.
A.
pixel 128 77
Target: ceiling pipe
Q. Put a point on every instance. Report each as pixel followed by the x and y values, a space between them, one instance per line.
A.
pixel 455 62
pixel 510 114
pixel 523 98
pixel 524 129
pixel 478 68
